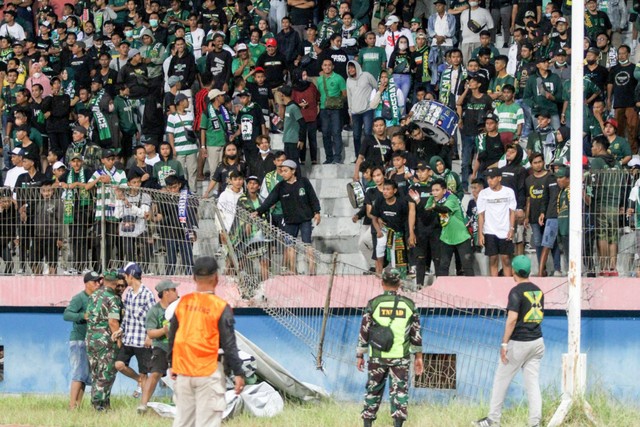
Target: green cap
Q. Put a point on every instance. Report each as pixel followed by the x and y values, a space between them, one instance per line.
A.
pixel 111 275
pixel 391 276
pixel 521 265
pixel 563 173
pixel 166 284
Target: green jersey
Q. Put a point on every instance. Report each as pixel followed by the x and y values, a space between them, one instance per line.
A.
pixel 124 109
pixel 106 200
pixel 563 212
pixel 454 230
pixel 163 169
pixel 215 128
pixel 291 129
pixel 510 116
pixel 155 320
pixel 372 59
pixel 75 313
pixel 181 127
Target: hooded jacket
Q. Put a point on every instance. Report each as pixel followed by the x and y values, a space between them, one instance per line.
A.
pixel 514 176
pixel 359 89
pixel 451 178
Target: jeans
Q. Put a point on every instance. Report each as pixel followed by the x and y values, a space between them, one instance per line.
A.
pixel 332 135
pixel 403 81
pixel 501 15
pixel 186 253
pixel 528 120
pixel 311 142
pixel 292 152
pixel 360 121
pixel 536 239
pixel 468 149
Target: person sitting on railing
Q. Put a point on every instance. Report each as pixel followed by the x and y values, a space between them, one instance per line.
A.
pixel 178 219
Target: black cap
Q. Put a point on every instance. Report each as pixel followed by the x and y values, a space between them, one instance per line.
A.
pixel 560 52
pixel 31 156
pixel 244 93
pixel 205 266
pixel 91 276
pixel 423 166
pixel 285 90
pixel 543 114
pixel 107 153
pixel 96 79
pixel 491 116
pixel 593 50
pixel 492 172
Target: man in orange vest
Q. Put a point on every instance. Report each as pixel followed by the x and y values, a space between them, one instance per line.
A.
pixel 202 326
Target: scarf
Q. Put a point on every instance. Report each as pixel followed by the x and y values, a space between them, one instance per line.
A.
pixel 390 98
pixel 216 123
pixel 396 252
pixel 182 212
pixel 69 196
pixel 444 217
pixel 104 133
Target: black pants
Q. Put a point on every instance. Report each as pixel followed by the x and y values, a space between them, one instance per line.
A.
pixel 110 234
pixel 447 251
pixel 311 142
pixel 427 250
pixel 59 142
pixel 292 152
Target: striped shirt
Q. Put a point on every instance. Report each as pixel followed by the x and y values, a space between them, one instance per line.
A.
pixel 178 125
pixel 509 116
pixel 118 178
pixel 136 307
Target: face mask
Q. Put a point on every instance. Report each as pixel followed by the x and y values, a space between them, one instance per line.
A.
pixel 591 61
pixel 562 33
pixel 547 15
pixel 37 75
pixel 561 64
pixel 153 22
pixel 473 3
pixel 232 156
pixel 471 73
pixel 402 46
pixel 128 33
pixel 625 62
pixel 335 47
pixel 264 151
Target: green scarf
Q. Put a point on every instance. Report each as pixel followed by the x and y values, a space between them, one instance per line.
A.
pixel 104 133
pixel 396 252
pixel 390 95
pixel 69 196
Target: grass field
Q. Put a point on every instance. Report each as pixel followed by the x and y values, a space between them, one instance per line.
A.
pixel 52 411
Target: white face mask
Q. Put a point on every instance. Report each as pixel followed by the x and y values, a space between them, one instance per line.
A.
pixel 402 46
pixel 473 3
pixel 264 151
pixel 37 75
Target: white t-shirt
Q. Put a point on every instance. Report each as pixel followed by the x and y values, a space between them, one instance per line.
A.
pixel 482 17
pixel 496 206
pixel 12 176
pixel 389 42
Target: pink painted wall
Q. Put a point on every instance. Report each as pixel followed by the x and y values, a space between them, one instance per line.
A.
pixel 348 291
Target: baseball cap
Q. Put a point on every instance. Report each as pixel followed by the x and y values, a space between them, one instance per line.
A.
pixel 180 97
pixel 634 163
pixel 271 42
pixel 258 70
pixel 174 80
pixel 255 178
pixel 76 156
pixel 285 90
pixel 80 129
pixel 96 79
pixel 111 275
pixel 134 270
pixel 561 19
pixel 423 166
pixel 58 165
pixel 205 266
pixel 165 285
pixel 392 19
pixel 492 173
pixel 241 46
pixel 612 122
pixel 214 93
pixel 17 152
pixel 244 93
pixel 491 116
pixel 521 266
pixel 530 14
pixel 31 156
pixel 563 172
pixel 133 52
pixel 290 164
pixel 416 21
pixel 440 1
pixel 560 52
pixel 91 276
pixel 107 153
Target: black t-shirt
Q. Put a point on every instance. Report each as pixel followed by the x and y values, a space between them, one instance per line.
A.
pixel 528 301
pixel 426 220
pixel 473 112
pixel 371 196
pixel 402 181
pixel 624 85
pixel 299 201
pixel 599 76
pixel 313 67
pixel 375 152
pixel 394 216
pixel 301 16
pixel 525 6
pixel 274 68
pixel 535 187
pixel 260 95
pixel 340 59
pixel 493 152
pixel 221 174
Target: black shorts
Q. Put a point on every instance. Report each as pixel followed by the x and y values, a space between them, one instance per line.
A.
pixel 143 356
pixel 159 361
pixel 495 246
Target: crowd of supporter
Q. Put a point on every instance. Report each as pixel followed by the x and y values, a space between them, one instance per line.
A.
pixel 164 94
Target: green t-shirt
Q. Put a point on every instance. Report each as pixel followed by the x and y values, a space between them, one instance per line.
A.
pixel 122 14
pixel 335 85
pixel 236 64
pixel 256 50
pixel 155 320
pixel 620 148
pixel 537 87
pixel 510 116
pixel 454 230
pixel 563 212
pixel 496 85
pixel 162 170
pixel 372 59
pixel 291 129
pixel 75 313
pixel 215 134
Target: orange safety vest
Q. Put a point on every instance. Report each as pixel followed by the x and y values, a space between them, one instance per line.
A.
pixel 196 344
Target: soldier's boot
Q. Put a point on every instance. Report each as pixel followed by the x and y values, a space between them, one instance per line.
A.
pixel 398 422
pixel 368 423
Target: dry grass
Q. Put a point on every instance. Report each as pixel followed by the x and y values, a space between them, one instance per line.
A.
pixel 52 411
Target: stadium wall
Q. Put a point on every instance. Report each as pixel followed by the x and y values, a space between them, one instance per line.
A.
pixel 34 336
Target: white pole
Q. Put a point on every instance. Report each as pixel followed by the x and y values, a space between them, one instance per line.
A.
pixel 575 204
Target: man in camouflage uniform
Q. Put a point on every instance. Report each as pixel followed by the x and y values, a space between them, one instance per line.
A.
pixel 394 363
pixel 104 313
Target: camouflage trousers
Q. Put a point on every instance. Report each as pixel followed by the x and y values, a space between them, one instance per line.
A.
pixel 102 359
pixel 397 370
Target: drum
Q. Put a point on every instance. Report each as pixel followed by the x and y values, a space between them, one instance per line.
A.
pixel 437 121
pixel 356 194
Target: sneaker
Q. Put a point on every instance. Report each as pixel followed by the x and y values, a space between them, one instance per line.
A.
pixel 138 392
pixel 604 273
pixel 613 273
pixel 327 162
pixel 484 422
pixel 142 409
pixel 558 274
pixel 529 249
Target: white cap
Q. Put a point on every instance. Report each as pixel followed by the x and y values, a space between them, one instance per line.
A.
pixel 391 19
pixel 58 165
pixel 290 164
pixel 634 162
pixel 214 93
pixel 241 46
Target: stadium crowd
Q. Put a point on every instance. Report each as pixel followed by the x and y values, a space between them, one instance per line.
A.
pixel 161 94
